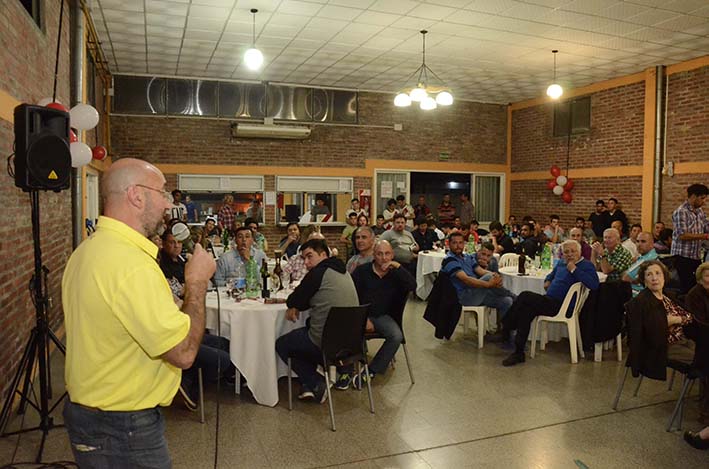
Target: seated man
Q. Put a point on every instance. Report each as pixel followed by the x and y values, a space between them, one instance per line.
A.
pixel 291 242
pixel 172 263
pixel 259 239
pixel 529 305
pixel 403 242
pixel 326 284
pixel 528 243
pixel 627 242
pixel 475 285
pixel 364 242
pixel 423 236
pixel 379 228
pixel 383 285
pixel 485 258
pixel 576 234
pixel 502 243
pixel 646 252
pixel 610 257
pixel 245 254
pixel 553 230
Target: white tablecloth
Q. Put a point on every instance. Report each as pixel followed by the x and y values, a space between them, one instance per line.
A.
pixel 427 265
pixel 252 328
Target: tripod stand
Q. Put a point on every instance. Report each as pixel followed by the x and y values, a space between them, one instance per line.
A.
pixel 37 348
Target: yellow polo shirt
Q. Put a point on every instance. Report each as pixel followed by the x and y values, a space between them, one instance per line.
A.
pixel 120 318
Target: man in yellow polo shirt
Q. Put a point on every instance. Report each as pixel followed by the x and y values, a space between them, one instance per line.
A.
pixel 127 341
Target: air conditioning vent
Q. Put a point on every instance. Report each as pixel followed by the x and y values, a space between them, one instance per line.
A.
pixel 269 131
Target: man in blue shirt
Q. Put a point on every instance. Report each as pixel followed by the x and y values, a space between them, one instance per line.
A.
pixel 529 305
pixel 646 252
pixel 475 285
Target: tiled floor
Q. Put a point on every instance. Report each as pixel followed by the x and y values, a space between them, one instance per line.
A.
pixel 465 410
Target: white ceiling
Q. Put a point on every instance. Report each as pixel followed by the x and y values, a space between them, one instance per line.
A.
pixel 485 50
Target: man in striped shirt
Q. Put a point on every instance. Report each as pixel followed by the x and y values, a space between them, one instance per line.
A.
pixel 691 227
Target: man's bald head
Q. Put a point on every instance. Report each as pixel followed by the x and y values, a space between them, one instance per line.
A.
pixel 127 172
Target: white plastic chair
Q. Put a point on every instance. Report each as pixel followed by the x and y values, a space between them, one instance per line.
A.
pixel 485 315
pixel 572 323
pixel 607 345
pixel 509 260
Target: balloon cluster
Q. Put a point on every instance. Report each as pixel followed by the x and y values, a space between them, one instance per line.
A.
pixel 81 117
pixel 560 185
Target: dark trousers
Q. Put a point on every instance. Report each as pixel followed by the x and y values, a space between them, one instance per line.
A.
pixel 304 354
pixel 214 360
pixel 525 308
pixel 116 440
pixel 686 268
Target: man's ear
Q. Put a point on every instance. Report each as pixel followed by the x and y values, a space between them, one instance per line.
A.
pixel 135 196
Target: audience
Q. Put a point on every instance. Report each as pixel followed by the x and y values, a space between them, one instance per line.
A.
pixel 528 243
pixel 389 213
pixel 291 242
pixel 615 213
pixel 379 228
pixel 421 209
pixel 600 219
pixel 423 236
pixel 576 234
pixel 446 211
pixel 659 226
pixel 529 305
pixel 553 230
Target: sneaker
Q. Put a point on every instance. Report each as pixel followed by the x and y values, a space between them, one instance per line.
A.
pixel 189 401
pixel 361 379
pixel 343 382
pixel 513 359
pixel 321 393
pixel 307 394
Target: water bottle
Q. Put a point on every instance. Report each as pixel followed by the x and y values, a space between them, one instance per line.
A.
pixel 546 257
pixel 252 279
pixel 238 288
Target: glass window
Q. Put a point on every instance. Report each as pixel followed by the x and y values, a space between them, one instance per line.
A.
pixel 305 208
pixel 208 203
pixel 487 198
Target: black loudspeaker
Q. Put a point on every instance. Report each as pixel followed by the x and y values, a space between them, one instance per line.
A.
pixel 292 213
pixel 42 155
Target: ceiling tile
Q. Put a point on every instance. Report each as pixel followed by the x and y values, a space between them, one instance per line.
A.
pixel 296 7
pixel 400 7
pixel 339 12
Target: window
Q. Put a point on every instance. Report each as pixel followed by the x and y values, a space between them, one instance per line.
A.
pixel 572 117
pixel 34 8
pixel 299 195
pixel 487 197
pixel 207 193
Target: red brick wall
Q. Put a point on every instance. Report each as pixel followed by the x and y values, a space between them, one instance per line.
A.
pixel 674 193
pixel 615 139
pixel 26 73
pixel 469 132
pixel 533 198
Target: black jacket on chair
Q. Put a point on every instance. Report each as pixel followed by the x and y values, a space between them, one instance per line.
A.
pixel 443 309
pixel 601 318
pixel 647 336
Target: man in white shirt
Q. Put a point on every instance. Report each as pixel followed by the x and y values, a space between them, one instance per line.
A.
pixel 403 243
pixel 406 210
pixel 178 209
pixel 355 208
pixel 628 243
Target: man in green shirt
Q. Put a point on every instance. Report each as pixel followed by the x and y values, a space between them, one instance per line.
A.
pixel 347 233
pixel 610 257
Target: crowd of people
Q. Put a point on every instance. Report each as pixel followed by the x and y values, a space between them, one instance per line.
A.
pixel 158 338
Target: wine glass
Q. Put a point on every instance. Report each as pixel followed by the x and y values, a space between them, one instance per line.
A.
pixel 230 281
pixel 239 288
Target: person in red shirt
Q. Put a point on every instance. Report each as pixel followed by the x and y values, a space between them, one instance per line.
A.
pixel 446 211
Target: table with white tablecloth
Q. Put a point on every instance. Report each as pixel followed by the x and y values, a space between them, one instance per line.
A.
pixel 252 328
pixel 427 265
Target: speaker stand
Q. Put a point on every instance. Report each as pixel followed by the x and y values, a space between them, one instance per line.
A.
pixel 37 349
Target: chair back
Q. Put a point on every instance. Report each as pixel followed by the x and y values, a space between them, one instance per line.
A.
pixel 343 334
pixel 576 296
pixel 509 260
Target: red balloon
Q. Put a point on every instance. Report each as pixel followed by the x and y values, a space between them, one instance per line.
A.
pixel 566 197
pixel 98 152
pixel 555 171
pixel 57 106
pixel 569 185
pixel 551 183
pixel 72 136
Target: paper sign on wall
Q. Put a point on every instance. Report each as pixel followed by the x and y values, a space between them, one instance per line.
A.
pixel 270 198
pixel 387 190
pixel 401 185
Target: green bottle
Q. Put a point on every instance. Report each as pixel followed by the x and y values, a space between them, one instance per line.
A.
pixel 253 286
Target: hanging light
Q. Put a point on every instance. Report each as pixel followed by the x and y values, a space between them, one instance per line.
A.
pixel 554 91
pixel 253 58
pixel 423 92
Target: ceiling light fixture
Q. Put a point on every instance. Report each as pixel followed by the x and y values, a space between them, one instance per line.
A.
pixel 253 57
pixel 555 90
pixel 427 95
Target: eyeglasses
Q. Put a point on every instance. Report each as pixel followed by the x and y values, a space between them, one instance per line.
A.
pixel 167 195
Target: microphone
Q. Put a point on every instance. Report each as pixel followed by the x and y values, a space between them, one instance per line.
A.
pixel 181 232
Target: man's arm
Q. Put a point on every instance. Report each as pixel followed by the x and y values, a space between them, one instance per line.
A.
pixel 586 274
pixel 300 298
pixel 680 223
pixel 198 270
pixel 494 282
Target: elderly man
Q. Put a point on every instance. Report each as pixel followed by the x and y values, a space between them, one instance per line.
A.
pixel 364 241
pixel 403 242
pixel 610 257
pixel 529 305
pixel 474 284
pixel 291 242
pixel 244 258
pixel 691 227
pixel 383 285
pixel 646 252
pixel 326 284
pixel 576 234
pixel 127 340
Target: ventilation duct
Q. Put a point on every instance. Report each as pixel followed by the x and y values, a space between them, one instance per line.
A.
pixel 269 131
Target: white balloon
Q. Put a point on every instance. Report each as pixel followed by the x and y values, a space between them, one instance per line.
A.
pixel 80 154
pixel 561 180
pixel 45 101
pixel 83 117
pixel 558 190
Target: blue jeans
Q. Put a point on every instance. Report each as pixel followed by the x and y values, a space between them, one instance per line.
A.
pixel 393 336
pixel 499 298
pixel 116 440
pixel 214 359
pixel 304 354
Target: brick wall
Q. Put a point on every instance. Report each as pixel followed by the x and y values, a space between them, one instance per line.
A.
pixel 26 73
pixel 533 198
pixel 615 138
pixel 674 193
pixel 469 132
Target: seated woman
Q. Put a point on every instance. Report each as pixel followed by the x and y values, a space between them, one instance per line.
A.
pixel 657 325
pixel 697 302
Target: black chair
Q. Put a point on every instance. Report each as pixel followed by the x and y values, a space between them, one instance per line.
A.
pixel 342 344
pixel 397 314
